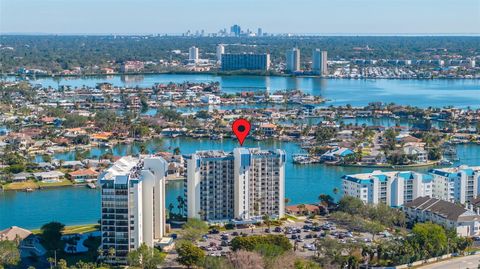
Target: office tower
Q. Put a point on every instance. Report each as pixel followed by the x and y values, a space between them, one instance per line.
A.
pixel 293 60
pixel 133 205
pixel 193 54
pixel 456 184
pixel 259 32
pixel 232 62
pixel 239 186
pixel 319 62
pixel 220 51
pixel 391 188
pixel 235 30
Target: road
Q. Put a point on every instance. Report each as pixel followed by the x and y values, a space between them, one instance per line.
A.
pixel 470 262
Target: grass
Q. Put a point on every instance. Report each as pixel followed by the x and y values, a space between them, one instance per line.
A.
pixel 81 229
pixel 76 229
pixel 15 186
pixel 61 183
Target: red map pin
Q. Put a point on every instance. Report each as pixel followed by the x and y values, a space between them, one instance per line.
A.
pixel 241 128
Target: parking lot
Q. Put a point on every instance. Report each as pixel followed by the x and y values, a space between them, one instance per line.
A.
pixel 302 235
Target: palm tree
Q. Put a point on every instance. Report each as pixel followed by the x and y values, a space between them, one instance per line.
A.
pixel 266 220
pixel 287 201
pixel 176 151
pixel 336 190
pixel 301 208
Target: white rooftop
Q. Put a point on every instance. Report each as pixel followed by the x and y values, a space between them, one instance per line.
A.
pixel 121 167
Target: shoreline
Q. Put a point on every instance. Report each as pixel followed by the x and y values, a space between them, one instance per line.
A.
pixel 222 74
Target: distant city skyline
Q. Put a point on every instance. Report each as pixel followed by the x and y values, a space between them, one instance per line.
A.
pixel 344 17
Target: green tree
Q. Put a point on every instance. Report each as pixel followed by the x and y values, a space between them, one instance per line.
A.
pixel 51 234
pixel 250 243
pixel 9 253
pixel 431 237
pixel 146 257
pixel 189 254
pixel 351 205
pixel 193 230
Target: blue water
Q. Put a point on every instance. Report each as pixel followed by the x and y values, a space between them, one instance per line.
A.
pixel 421 93
pixel 80 205
pixel 304 183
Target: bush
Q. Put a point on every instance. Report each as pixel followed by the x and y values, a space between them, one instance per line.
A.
pixel 254 242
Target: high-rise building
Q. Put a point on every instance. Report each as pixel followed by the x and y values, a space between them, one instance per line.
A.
pixel 220 51
pixel 259 32
pixel 319 62
pixel 293 60
pixel 391 188
pixel 133 205
pixel 235 30
pixel 457 184
pixel 232 62
pixel 193 54
pixel 239 186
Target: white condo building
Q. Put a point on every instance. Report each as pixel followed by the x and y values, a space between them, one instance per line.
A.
pixel 319 62
pixel 391 188
pixel 239 186
pixel 293 60
pixel 133 204
pixel 456 184
pixel 220 51
pixel 193 54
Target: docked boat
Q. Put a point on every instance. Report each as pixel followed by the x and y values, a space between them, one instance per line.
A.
pixel 91 185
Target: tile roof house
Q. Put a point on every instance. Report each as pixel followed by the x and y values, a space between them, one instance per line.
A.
pixel 83 175
pixel 464 220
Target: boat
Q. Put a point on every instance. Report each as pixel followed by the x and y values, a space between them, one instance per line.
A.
pixel 91 185
pixel 28 190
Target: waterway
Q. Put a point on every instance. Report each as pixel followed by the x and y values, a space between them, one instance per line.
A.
pixel 304 183
pixel 79 205
pixel 421 93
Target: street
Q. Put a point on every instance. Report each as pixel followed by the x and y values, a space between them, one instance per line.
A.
pixel 456 263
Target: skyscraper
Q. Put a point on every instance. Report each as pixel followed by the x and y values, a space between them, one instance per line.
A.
pixel 193 54
pixel 259 32
pixel 243 61
pixel 220 51
pixel 133 205
pixel 239 186
pixel 319 62
pixel 235 30
pixel 293 60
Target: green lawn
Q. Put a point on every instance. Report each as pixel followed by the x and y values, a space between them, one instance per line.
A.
pixel 61 183
pixel 21 185
pixel 76 229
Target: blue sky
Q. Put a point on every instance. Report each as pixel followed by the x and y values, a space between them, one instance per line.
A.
pixel 280 16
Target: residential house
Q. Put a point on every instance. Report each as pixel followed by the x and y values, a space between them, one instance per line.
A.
pixel 464 220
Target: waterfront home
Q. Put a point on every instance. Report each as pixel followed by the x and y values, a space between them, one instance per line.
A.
pixel 49 177
pixel 336 154
pixel 463 220
pixel 20 177
pixel 28 243
pixel 84 175
pixel 419 152
pixel 68 164
pixel 101 137
pixel 268 129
